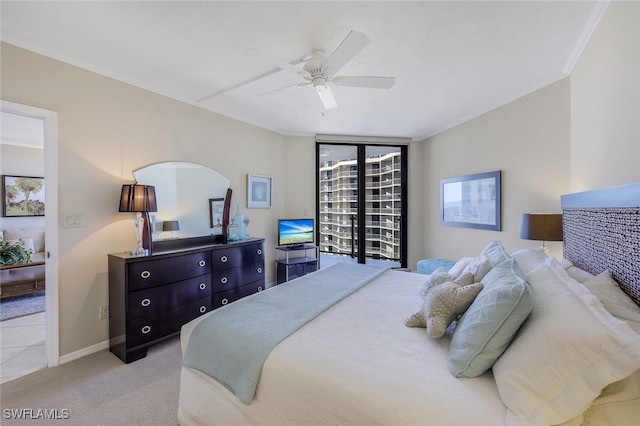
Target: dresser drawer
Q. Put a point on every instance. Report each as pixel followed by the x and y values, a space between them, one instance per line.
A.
pixel 162 298
pixel 162 271
pixel 147 329
pixel 236 277
pixel 225 297
pixel 231 257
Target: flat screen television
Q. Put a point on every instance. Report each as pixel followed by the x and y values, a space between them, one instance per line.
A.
pixel 295 232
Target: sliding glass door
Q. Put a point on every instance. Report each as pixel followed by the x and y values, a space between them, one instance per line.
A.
pixel 362 203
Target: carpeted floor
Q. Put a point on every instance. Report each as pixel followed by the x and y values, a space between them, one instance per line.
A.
pixel 18 306
pixel 99 389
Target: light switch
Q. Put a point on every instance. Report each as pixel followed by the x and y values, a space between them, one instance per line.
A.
pixel 73 220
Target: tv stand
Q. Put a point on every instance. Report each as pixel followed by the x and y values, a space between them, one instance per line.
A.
pixel 296 260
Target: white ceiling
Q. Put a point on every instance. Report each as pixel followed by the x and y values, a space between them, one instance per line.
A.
pixel 453 60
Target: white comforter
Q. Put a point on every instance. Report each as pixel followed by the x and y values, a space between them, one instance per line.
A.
pixel 357 363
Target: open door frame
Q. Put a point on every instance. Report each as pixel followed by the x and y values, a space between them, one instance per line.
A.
pixel 50 118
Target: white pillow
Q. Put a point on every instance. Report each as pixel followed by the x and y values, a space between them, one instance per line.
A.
pixel 567 351
pixel 616 301
pixel 478 267
pixel 27 243
pixel 574 272
pixel 456 270
pixel 36 234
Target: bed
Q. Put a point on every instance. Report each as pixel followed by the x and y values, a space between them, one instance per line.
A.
pixel 558 344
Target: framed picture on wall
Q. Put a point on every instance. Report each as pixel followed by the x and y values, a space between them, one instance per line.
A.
pixel 22 196
pixel 471 201
pixel 259 191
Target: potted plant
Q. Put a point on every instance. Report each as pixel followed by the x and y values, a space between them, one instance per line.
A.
pixel 11 254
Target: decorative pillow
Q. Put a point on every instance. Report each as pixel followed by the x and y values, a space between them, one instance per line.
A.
pixel 478 266
pixel 496 252
pixel 37 234
pixel 443 304
pixel 567 351
pixel 456 270
pixel 438 276
pixel 27 243
pixel 485 330
pixel 616 301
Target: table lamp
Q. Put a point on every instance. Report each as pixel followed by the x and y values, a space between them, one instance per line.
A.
pixel 140 199
pixel 541 226
pixel 170 225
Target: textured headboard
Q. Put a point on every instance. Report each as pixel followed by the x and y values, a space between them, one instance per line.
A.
pixel 602 232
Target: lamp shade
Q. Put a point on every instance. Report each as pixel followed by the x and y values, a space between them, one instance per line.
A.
pixel 541 226
pixel 170 225
pixel 138 198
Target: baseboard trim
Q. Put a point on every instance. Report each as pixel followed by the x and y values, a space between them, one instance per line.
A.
pixel 84 352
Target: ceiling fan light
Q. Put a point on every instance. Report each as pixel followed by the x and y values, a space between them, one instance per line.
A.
pixel 326 96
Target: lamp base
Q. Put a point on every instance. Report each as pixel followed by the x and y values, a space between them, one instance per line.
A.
pixel 139 252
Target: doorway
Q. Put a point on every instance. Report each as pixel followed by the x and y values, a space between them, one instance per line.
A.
pixel 48 321
pixel 362 203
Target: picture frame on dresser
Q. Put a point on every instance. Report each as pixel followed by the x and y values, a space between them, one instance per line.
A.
pixel 22 196
pixel 216 212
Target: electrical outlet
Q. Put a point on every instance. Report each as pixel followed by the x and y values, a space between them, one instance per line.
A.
pixel 104 312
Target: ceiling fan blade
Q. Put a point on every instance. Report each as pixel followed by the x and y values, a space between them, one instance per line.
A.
pixel 326 97
pixel 287 66
pixel 235 86
pixel 350 46
pixel 369 82
pixel 268 92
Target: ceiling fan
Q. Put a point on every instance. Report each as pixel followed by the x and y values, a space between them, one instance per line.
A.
pixel 320 72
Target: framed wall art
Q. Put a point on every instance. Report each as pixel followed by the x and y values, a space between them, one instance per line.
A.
pixel 22 196
pixel 471 201
pixel 259 191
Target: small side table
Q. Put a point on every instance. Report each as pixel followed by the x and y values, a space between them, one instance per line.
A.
pixel 296 261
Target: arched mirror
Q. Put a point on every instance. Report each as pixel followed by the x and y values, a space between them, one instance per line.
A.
pixel 183 191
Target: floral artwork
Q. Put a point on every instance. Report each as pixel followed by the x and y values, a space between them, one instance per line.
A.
pixel 22 196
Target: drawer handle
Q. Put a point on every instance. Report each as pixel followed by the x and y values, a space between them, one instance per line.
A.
pixel 259 270
pixel 259 251
pixel 145 274
pixel 202 286
pixel 224 280
pixel 202 263
pixel 259 288
pixel 145 302
pixel 203 309
pixel 225 301
pixel 223 259
pixel 146 329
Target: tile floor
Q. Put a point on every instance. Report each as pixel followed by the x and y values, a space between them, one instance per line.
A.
pixel 22 346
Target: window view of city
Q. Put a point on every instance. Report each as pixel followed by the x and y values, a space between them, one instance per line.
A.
pixel 338 198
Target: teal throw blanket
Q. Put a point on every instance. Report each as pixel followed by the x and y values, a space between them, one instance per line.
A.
pixel 233 342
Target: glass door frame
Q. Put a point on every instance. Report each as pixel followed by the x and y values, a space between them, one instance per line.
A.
pixel 361 236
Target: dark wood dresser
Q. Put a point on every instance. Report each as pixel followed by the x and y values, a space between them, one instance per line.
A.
pixel 151 297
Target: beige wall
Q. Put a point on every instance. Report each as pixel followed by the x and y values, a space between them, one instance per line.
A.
pixel 528 140
pixel 605 103
pixel 106 129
